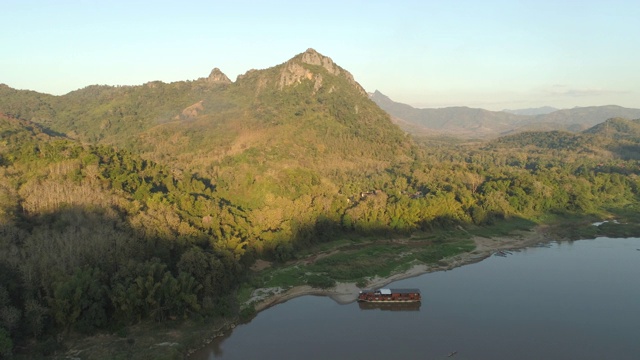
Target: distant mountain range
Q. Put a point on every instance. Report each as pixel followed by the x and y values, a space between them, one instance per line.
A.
pixel 479 123
pixel 152 202
pixel 532 111
pixel 213 118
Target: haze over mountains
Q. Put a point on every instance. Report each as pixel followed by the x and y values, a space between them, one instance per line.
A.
pixel 135 115
pixel 532 111
pixel 479 123
pixel 120 204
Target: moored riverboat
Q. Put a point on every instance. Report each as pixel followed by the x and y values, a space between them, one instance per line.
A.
pixel 390 306
pixel 390 295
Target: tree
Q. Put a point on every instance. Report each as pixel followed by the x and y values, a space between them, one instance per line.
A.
pixel 80 302
pixel 6 344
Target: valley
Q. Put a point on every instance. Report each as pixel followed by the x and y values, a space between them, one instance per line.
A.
pixel 140 207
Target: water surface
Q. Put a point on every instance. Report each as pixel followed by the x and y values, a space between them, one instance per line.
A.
pixel 578 300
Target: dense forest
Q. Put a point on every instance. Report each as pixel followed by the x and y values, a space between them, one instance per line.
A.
pixel 153 212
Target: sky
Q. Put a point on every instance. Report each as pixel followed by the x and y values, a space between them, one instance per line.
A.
pixel 490 54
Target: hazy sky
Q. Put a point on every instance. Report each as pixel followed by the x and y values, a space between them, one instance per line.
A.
pixel 484 53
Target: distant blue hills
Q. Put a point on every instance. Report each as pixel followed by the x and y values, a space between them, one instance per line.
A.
pixel 469 122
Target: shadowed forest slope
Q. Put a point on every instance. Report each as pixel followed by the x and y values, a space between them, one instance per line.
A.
pixel 125 204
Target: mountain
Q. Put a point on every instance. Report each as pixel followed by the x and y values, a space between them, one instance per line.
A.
pixel 460 121
pixel 620 136
pixel 532 111
pixel 582 118
pixel 617 128
pixel 308 90
pixel 614 138
pixel 125 205
pixel 275 128
pixel 469 123
pixel 106 192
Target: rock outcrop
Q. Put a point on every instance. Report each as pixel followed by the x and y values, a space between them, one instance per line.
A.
pixel 190 112
pixel 218 77
pixel 294 70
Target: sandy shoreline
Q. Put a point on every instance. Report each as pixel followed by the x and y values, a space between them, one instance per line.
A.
pixel 345 293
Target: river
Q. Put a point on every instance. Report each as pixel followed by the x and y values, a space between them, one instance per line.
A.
pixel 568 300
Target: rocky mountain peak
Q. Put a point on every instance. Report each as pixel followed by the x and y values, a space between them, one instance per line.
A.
pixel 294 70
pixel 313 57
pixel 378 95
pixel 218 77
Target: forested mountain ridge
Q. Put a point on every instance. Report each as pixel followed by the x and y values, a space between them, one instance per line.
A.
pixel 303 114
pixel 460 121
pixel 308 93
pixel 479 123
pixel 583 118
pixel 260 167
pixel 617 138
pixel 91 237
pixel 620 136
pixel 152 202
pixel 617 128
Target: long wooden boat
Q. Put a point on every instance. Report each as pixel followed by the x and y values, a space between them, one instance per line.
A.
pixel 390 295
pixel 390 306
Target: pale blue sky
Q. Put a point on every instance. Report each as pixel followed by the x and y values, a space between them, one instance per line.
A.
pixel 490 54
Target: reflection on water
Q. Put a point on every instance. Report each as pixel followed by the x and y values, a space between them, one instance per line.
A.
pixel 575 300
pixel 407 306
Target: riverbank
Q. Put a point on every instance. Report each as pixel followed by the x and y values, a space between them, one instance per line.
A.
pixel 463 309
pixel 178 339
pixel 347 292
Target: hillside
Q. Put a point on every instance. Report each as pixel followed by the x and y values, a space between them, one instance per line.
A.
pixel 307 94
pixel 620 136
pixel 582 118
pixel 460 121
pixel 128 205
pixel 92 237
pixel 305 118
pixel 617 128
pixel 478 123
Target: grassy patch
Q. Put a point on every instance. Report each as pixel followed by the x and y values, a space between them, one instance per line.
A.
pixel 504 227
pixel 351 265
pixel 362 260
pixel 620 230
pixel 627 214
pixel 325 247
pixel 320 281
pixel 244 293
pixel 433 254
pixel 441 236
pixel 580 226
pixel 284 277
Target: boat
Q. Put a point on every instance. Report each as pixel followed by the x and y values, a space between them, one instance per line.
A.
pixel 390 306
pixel 390 295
